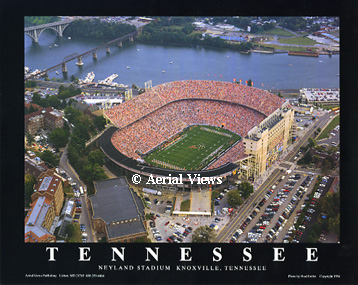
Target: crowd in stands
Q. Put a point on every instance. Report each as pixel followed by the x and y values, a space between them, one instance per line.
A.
pixel 158 96
pixel 162 112
pixel 143 135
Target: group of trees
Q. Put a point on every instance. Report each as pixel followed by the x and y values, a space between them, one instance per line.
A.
pixel 30 84
pixel 56 101
pixel 50 158
pixel 49 101
pixel 330 206
pixel 37 20
pixel 87 163
pixel 329 219
pixel 326 164
pixel 246 189
pixel 235 197
pixel 203 234
pixel 166 31
pixel 30 181
pixel 96 29
pixel 66 92
pixel 30 110
pixel 59 137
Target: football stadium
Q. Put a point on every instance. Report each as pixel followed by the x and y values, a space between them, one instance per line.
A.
pixel 210 127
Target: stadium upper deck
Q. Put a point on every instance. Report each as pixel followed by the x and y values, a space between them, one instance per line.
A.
pixel 152 118
pixel 257 99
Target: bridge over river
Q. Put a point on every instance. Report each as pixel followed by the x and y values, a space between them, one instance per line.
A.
pixel 35 31
pixel 79 57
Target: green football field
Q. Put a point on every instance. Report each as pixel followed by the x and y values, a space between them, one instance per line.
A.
pixel 195 148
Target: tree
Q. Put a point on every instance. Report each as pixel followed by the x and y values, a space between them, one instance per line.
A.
pixel 50 158
pixel 32 109
pixel 59 137
pixel 203 234
pixel 234 199
pixel 72 154
pixel 30 181
pixel 245 188
pixel 30 139
pixel 96 157
pixel 53 101
pixel 326 165
pixel 311 143
pixel 71 113
pixel 306 159
pixel 249 82
pixel 30 84
pixel 334 224
pixel 74 79
pixel 99 122
pixel 36 98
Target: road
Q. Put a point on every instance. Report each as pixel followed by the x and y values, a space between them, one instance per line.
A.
pixel 50 84
pixel 245 210
pixel 84 218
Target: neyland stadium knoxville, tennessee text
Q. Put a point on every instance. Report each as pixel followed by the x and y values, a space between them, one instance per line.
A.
pixel 185 254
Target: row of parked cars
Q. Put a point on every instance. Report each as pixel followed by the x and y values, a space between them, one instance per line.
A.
pixel 254 213
pixel 292 232
pixel 83 233
pixel 220 196
pixel 270 211
pixel 287 212
pixel 179 235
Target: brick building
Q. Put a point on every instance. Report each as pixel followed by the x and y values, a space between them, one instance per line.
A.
pixel 43 118
pixel 49 185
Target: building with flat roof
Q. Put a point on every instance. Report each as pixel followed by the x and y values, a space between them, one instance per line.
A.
pixel 39 220
pixel 324 96
pixel 117 211
pixel 34 166
pixel 49 185
pixel 43 118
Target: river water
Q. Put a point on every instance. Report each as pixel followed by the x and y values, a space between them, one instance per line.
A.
pixel 147 62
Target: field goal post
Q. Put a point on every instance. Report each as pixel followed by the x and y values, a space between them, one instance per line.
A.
pixel 148 85
pixel 106 105
pixel 128 94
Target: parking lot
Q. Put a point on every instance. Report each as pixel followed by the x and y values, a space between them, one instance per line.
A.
pixel 269 216
pixel 179 228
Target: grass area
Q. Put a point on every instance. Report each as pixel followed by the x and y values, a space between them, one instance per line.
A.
pixel 278 32
pixel 193 149
pixel 329 128
pixel 329 107
pixel 76 236
pixel 289 48
pixel 68 191
pixel 185 205
pixel 301 40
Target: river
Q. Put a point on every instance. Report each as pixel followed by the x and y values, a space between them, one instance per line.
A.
pixel 147 62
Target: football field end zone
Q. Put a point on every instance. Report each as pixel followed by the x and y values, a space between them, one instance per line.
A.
pixel 160 160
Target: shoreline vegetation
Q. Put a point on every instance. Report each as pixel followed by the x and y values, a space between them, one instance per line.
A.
pixel 179 31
